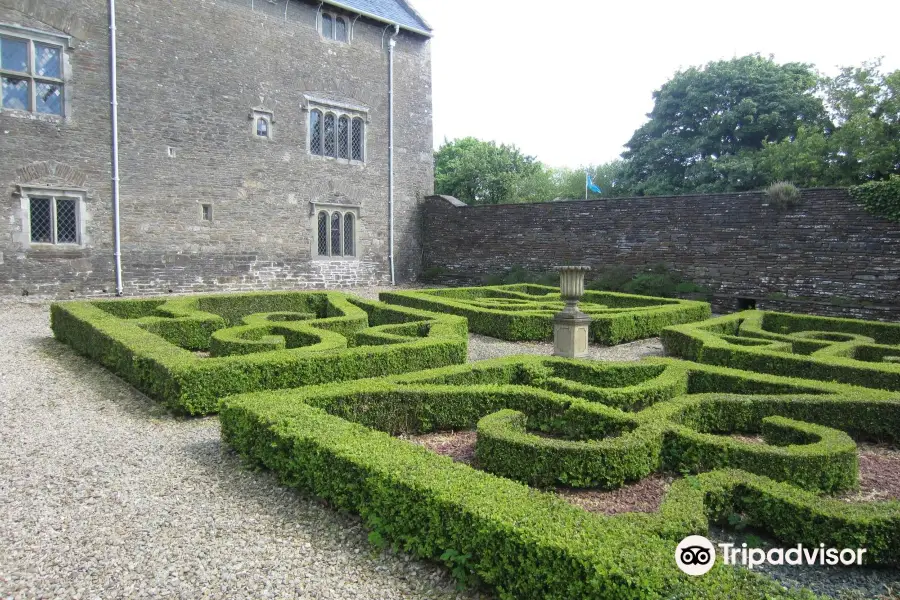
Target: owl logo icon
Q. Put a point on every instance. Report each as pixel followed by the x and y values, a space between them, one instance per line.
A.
pixel 695 555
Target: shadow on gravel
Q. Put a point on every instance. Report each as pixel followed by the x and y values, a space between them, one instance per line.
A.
pixel 108 385
pixel 248 483
pixel 259 492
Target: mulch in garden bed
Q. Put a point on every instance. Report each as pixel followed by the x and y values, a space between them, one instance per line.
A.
pixel 879 475
pixel 458 445
pixel 642 496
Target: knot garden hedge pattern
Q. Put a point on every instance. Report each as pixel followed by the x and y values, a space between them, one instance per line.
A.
pixel 192 351
pixel 865 353
pixel 286 370
pixel 525 311
pixel 544 422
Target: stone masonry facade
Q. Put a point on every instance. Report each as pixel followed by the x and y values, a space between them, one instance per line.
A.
pixel 826 256
pixel 191 76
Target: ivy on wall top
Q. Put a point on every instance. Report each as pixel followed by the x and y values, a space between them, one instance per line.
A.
pixel 881 198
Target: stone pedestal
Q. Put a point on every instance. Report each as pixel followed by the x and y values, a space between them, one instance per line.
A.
pixel 571 334
pixel 571 327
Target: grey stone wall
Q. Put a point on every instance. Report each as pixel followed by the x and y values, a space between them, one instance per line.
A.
pixel 828 254
pixel 190 72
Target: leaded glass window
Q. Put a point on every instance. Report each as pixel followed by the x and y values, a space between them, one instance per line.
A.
pixel 16 93
pixel 336 134
pixel 315 132
pixel 349 250
pixel 66 221
pixel 344 137
pixel 336 234
pixel 53 220
pixel 340 30
pixel 334 227
pixel 47 61
pixel 262 128
pixel 335 28
pixel 42 220
pixel 48 98
pixel 328 136
pixel 31 75
pixel 323 233
pixel 357 139
pixel 14 55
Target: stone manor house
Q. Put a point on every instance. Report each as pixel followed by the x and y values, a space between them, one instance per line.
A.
pixel 253 143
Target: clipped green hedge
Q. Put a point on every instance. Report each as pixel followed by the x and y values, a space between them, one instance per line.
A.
pixel 787 513
pixel 824 348
pixel 576 440
pixel 335 441
pixel 524 543
pixel 257 341
pixel 506 448
pixel 525 311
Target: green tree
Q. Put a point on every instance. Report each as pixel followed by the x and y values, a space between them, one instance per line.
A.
pixel 859 143
pixel 608 177
pixel 706 123
pixel 479 172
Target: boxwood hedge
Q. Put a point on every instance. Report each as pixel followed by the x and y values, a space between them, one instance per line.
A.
pixel 824 348
pixel 254 341
pixel 525 311
pixel 337 441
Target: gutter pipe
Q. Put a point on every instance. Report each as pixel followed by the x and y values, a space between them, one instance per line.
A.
pixel 114 151
pixel 391 43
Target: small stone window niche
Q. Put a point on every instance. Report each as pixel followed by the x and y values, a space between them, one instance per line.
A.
pixel 52 218
pixel 335 232
pixel 262 124
pixel 206 213
pixel 33 71
pixel 335 27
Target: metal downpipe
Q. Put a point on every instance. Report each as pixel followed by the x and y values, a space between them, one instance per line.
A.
pixel 391 43
pixel 114 151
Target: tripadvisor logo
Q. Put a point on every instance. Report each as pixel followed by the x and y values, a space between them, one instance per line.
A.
pixel 696 555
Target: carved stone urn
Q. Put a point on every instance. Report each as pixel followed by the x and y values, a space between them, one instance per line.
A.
pixel 571 327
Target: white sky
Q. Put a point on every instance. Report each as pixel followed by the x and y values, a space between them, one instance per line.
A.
pixel 570 81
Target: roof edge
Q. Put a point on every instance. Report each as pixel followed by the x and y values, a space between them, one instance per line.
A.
pixel 417 14
pixel 353 9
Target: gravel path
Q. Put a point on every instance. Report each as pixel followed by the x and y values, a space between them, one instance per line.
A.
pixel 104 495
pixel 482 348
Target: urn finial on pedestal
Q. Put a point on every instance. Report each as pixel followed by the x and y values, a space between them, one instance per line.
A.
pixel 571 327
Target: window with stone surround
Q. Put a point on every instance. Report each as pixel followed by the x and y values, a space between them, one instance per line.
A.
pixel 262 124
pixel 338 132
pixel 32 71
pixel 53 217
pixel 334 27
pixel 335 231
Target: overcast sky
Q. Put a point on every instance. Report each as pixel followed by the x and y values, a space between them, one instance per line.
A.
pixel 570 81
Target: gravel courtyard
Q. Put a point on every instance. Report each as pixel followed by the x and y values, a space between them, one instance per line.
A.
pixel 104 495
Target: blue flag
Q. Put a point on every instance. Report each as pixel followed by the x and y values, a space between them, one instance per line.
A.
pixel 589 184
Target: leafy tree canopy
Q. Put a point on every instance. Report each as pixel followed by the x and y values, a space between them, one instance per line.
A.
pixel 860 142
pixel 718 113
pixel 731 125
pixel 479 172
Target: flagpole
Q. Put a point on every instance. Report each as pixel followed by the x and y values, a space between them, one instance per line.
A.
pixel 585 185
